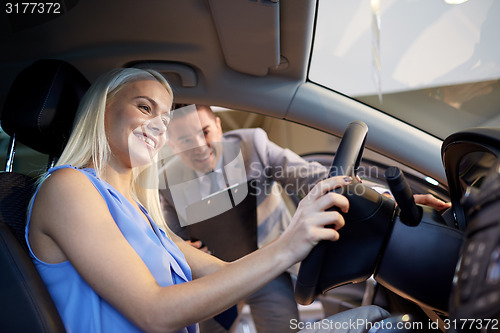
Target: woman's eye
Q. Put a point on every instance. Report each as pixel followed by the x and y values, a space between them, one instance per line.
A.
pixel 145 108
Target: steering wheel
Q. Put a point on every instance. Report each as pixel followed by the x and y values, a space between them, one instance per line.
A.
pixel 369 221
pixel 346 161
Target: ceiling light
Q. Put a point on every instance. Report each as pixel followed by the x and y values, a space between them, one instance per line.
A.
pixel 455 2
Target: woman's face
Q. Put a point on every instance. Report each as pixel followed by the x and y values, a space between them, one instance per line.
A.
pixel 135 121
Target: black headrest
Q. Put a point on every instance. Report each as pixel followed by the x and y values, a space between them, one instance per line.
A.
pixel 42 103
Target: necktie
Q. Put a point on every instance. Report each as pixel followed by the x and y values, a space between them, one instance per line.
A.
pixel 214 185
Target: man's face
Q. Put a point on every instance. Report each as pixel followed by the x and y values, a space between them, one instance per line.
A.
pixel 196 138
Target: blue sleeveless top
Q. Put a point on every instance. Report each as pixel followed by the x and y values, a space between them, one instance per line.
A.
pixel 80 307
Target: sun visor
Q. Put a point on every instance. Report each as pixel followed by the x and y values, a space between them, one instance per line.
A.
pixel 249 34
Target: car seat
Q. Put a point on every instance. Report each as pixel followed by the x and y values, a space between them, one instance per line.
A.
pixel 38 112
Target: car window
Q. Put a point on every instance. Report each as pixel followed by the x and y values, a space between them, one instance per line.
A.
pixel 432 64
pixel 27 161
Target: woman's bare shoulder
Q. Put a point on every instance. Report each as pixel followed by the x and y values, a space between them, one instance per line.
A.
pixel 63 180
pixel 68 191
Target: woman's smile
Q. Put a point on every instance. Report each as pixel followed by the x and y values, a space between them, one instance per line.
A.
pixel 148 140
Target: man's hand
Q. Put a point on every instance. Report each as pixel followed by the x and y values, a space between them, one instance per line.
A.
pixel 199 245
pixel 431 201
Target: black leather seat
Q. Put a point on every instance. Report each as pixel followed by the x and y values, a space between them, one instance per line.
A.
pixel 38 112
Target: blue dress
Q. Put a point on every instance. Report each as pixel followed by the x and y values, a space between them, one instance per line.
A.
pixel 80 307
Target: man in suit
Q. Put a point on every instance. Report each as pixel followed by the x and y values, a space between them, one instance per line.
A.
pixel 204 153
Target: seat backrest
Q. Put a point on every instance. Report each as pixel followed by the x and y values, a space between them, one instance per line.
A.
pixel 38 112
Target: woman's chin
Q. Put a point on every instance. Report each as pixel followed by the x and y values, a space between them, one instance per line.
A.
pixel 142 159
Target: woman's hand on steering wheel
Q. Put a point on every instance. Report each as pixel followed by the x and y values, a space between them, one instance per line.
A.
pixel 307 227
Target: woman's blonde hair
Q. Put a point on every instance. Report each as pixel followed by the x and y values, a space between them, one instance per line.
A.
pixel 88 144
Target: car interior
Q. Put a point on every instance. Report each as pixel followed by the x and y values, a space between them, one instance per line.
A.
pixel 256 63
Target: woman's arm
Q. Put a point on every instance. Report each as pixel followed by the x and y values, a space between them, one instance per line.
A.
pixel 70 220
pixel 200 262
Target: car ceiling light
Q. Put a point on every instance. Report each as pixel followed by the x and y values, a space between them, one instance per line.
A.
pixel 455 2
pixel 432 181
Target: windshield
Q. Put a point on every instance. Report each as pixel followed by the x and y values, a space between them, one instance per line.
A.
pixel 429 63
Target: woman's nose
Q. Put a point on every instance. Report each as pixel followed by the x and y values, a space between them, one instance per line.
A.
pixel 156 124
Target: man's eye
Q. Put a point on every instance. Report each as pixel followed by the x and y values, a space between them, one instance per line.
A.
pixel 165 120
pixel 185 142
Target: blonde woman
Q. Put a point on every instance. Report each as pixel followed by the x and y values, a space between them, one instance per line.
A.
pixel 92 226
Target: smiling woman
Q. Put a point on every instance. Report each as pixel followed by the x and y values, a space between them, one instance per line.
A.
pixel 92 139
